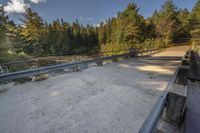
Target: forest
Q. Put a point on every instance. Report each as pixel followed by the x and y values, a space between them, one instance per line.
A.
pixel 36 37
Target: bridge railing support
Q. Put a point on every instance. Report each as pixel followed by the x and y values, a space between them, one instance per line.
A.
pixel 99 63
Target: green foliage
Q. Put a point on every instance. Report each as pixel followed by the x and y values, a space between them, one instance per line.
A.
pixel 195 14
pixel 130 23
pixel 32 32
pixel 161 30
pixel 195 23
pixel 6 48
pixel 4 42
pixel 15 57
pixel 196 46
pixel 184 24
pixel 117 48
pixel 58 37
pixel 128 30
pixel 166 21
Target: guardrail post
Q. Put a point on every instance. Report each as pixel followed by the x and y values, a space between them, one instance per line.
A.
pixel 76 68
pixel 99 63
pixel 175 108
pixel 176 99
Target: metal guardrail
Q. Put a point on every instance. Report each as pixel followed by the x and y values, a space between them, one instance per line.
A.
pixel 43 70
pixel 91 53
pixel 158 108
pixel 149 126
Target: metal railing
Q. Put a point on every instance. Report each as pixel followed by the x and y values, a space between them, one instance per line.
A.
pixel 48 69
pixel 150 124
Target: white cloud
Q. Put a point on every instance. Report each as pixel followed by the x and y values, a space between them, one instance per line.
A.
pixel 17 6
pixel 37 1
pixel 96 25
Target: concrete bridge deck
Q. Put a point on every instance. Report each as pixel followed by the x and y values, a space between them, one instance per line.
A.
pixel 114 98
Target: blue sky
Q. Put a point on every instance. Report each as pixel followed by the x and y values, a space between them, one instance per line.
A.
pixel 86 11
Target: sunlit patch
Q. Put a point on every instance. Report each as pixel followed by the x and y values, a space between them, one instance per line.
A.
pixel 124 65
pixel 152 68
pixel 174 61
pixel 55 93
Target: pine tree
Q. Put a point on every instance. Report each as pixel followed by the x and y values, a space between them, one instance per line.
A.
pixel 33 32
pixel 131 26
pixel 102 34
pixel 166 21
pixel 184 26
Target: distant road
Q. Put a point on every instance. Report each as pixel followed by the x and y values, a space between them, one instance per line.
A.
pixel 114 98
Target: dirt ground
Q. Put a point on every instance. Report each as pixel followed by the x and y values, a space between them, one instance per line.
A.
pixel 114 98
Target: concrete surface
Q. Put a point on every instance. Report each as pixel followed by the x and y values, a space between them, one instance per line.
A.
pixel 114 98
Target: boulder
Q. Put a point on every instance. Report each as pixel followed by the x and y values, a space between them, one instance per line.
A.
pixel 40 77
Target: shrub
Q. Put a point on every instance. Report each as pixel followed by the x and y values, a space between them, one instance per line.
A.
pixel 114 49
pixel 11 57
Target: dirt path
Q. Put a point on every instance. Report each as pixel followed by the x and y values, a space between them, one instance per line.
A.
pixel 115 98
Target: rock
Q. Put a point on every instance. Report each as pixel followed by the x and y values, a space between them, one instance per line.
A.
pixel 41 77
pixel 23 80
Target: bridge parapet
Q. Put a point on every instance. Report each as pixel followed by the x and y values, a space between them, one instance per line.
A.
pixel 168 114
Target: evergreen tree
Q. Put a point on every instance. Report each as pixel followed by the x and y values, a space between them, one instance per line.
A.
pixel 102 34
pixel 184 26
pixel 195 23
pixel 131 26
pixel 33 32
pixel 4 42
pixel 167 22
pixel 125 31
